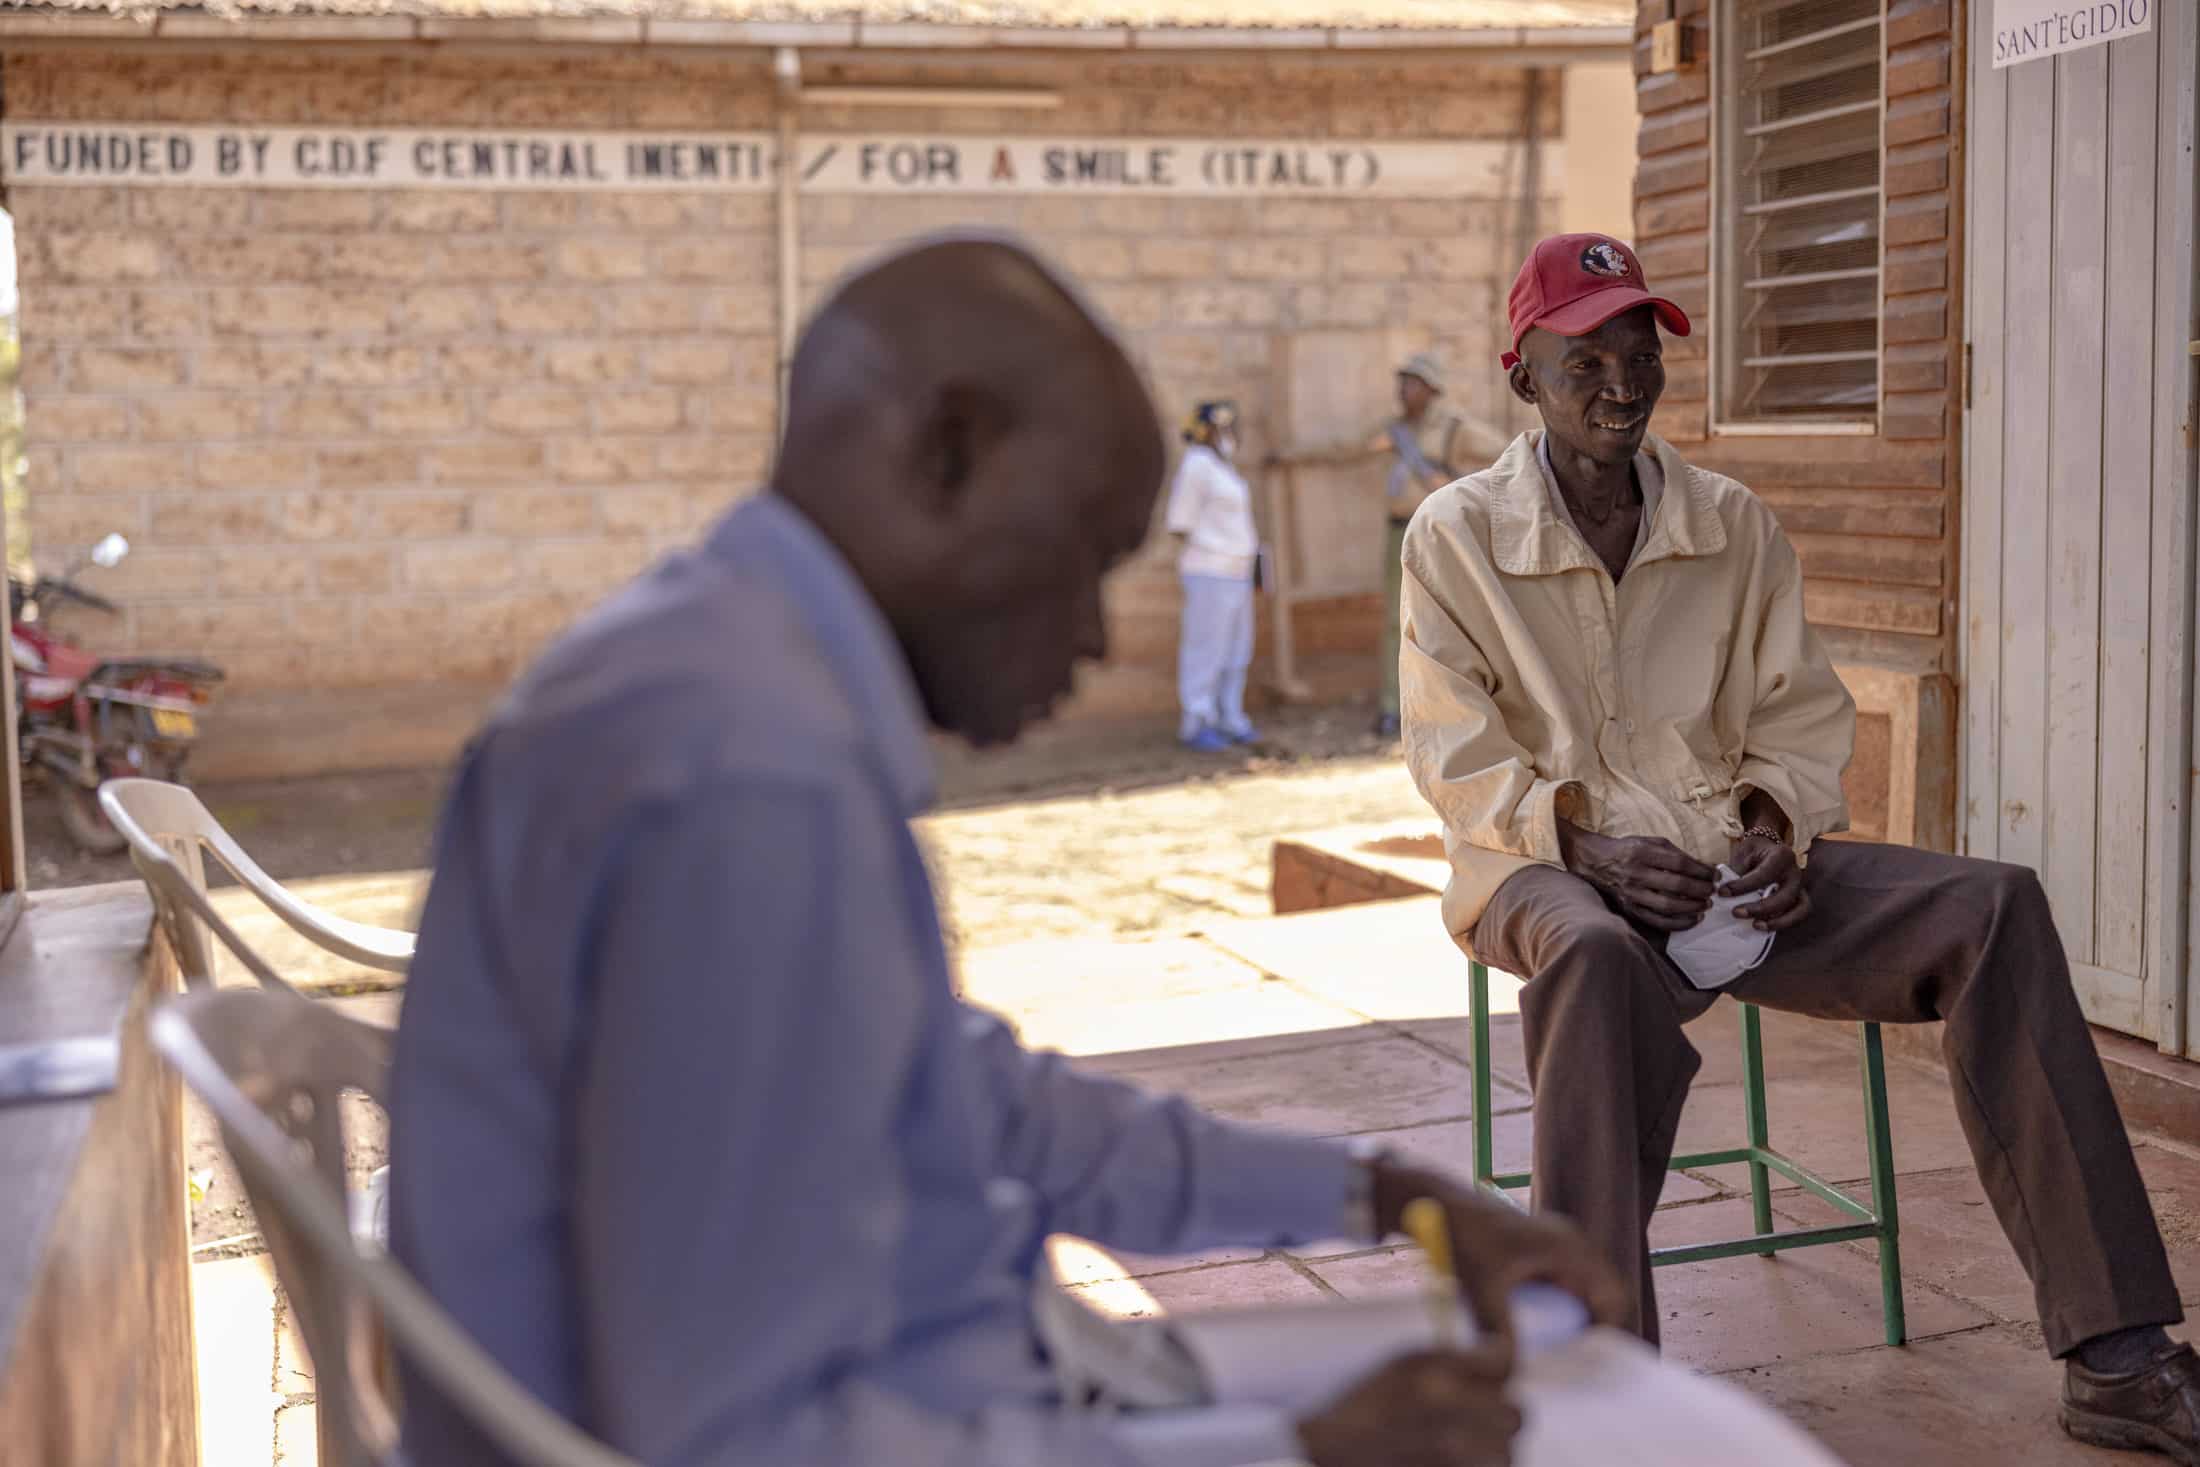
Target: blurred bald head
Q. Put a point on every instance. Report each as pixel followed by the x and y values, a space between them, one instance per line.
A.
pixel 981 451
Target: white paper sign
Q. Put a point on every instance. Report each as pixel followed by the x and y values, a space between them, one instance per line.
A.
pixel 2025 30
pixel 107 154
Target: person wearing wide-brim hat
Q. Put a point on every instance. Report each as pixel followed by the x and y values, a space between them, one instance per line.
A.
pixel 1430 443
pixel 1211 515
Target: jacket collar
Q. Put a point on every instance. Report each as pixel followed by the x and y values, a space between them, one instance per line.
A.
pixel 1527 539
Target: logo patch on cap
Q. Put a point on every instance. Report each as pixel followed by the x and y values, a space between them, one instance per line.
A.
pixel 1605 259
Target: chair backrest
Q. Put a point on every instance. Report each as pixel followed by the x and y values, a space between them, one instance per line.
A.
pixel 181 907
pixel 273 1068
pixel 168 826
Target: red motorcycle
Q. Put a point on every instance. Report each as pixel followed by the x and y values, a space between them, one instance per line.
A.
pixel 82 719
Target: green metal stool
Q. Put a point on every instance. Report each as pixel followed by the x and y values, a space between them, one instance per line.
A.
pixel 1876 1221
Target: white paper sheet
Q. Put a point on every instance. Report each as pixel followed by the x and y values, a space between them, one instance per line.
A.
pixel 1608 1398
pixel 1297 1357
pixel 1591 1396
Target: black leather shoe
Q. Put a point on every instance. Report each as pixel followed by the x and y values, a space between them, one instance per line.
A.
pixel 2152 1410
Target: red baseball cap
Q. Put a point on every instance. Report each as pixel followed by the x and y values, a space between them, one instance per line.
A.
pixel 1574 283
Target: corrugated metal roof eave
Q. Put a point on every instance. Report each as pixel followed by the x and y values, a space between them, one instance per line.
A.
pixel 1185 25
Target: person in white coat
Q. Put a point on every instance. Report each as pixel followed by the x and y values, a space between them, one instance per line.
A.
pixel 1211 515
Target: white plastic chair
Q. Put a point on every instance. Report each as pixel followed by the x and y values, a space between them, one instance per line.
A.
pixel 273 1068
pixel 167 822
pixel 166 827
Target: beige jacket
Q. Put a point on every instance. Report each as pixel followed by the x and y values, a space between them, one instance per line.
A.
pixel 1531 687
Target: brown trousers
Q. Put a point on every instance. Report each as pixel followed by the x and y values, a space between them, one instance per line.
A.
pixel 1896 935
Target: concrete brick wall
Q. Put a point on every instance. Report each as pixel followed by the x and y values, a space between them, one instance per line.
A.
pixel 1206 290
pixel 373 449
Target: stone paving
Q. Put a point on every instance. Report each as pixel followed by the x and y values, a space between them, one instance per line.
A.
pixel 1352 1022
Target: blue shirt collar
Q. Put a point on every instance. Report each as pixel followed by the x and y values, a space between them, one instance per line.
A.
pixel 852 632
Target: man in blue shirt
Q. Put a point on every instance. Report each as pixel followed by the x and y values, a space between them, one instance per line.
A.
pixel 689 1128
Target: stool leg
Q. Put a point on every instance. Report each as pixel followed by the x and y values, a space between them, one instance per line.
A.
pixel 1753 1115
pixel 1881 1142
pixel 1478 1006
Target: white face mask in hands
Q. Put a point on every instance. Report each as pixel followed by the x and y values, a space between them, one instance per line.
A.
pixel 1722 947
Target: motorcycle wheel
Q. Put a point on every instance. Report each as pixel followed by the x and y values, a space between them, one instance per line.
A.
pixel 85 822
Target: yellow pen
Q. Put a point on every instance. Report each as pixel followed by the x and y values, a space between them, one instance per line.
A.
pixel 1427 1224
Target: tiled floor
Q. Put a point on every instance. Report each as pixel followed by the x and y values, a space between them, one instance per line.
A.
pixel 1351 1022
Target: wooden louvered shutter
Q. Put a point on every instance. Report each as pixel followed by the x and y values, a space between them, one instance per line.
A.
pixel 1797 315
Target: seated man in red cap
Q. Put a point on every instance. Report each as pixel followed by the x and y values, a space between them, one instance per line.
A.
pixel 1613 698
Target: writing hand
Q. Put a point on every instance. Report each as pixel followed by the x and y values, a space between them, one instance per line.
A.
pixel 1496 1248
pixel 1433 1409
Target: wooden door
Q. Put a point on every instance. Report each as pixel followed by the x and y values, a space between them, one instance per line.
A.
pixel 2078 512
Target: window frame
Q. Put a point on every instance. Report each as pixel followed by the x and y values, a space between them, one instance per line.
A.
pixel 1725 244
